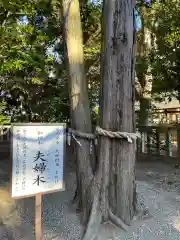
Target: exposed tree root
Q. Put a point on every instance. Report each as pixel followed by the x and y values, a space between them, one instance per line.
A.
pixel 94 220
pixel 117 221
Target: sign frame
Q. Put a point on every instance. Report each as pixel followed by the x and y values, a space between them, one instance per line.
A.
pixel 11 156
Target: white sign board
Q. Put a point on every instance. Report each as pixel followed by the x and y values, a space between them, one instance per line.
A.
pixel 37 158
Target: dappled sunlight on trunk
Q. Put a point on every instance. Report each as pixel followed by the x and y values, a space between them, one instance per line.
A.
pixel 79 101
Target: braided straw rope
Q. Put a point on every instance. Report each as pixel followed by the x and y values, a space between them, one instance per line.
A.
pixel 79 134
pixel 101 132
pixel 121 135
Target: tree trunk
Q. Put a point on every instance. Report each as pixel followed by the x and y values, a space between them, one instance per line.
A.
pixel 113 184
pixel 114 191
pixel 79 102
pixel 144 111
pixel 117 113
pixel 144 78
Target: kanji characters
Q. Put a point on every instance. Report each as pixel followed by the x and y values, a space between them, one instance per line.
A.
pixel 39 179
pixel 38 156
pixel 41 167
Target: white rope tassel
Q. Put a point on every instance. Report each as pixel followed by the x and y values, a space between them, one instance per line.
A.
pixel 69 138
pixel 76 140
pixel 102 132
pixel 91 147
pixel 96 141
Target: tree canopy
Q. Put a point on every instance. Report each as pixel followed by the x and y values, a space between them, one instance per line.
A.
pixel 33 70
pixel 165 56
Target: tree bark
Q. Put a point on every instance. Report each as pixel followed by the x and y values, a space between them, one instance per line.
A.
pixel 115 196
pixel 117 112
pixel 113 184
pixel 79 102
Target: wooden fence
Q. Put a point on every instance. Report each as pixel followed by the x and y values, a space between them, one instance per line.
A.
pixel 159 141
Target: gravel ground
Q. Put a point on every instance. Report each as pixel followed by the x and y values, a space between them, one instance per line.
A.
pixel 158 187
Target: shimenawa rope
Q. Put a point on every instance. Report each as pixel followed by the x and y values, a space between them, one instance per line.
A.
pixel 102 132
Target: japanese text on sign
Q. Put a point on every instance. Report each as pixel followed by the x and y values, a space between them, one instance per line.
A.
pixel 38 154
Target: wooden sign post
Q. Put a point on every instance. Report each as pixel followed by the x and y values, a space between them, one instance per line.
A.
pixel 38 212
pixel 37 163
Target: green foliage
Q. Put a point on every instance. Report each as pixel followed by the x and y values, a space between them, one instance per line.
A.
pixel 90 17
pixel 25 65
pixel 33 57
pixel 4 118
pixel 165 57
